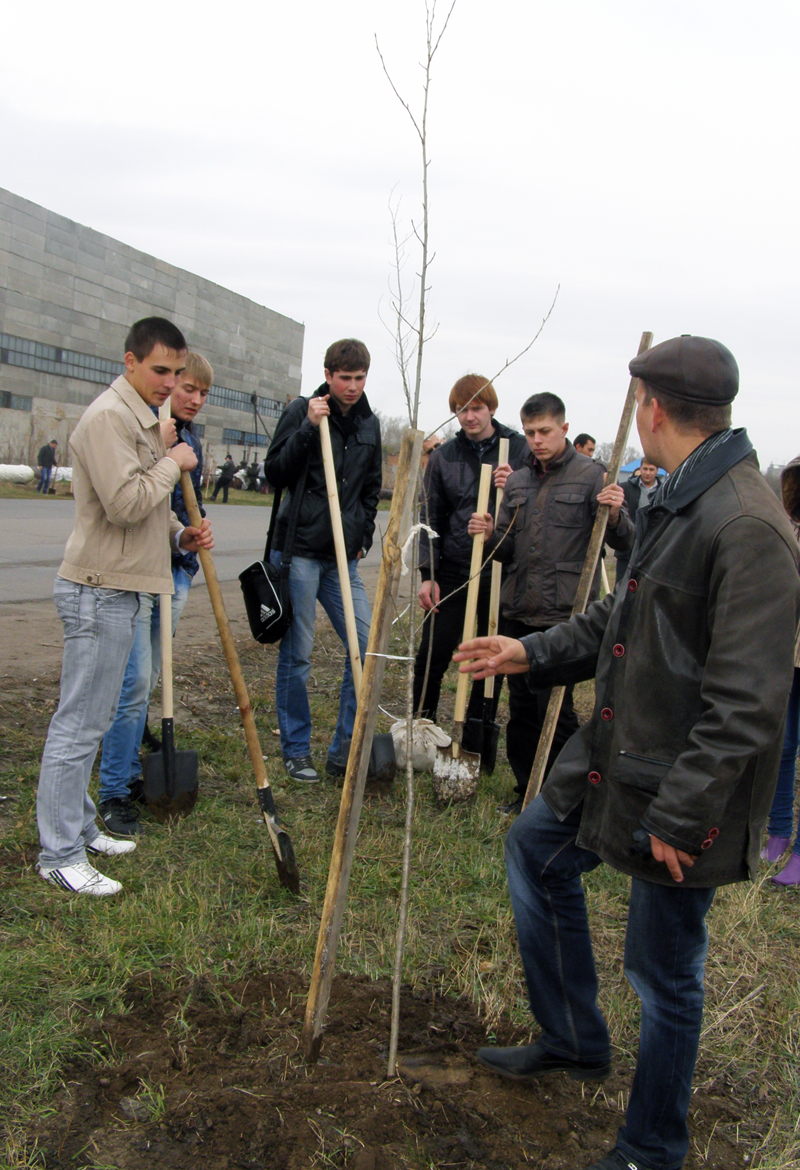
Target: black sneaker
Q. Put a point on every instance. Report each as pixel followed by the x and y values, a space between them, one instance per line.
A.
pixel 136 791
pixel 512 809
pixel 119 817
pixel 335 770
pixel 302 769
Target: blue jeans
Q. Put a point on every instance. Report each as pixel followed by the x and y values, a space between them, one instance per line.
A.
pixel 99 626
pixel 665 949
pixel 44 480
pixel 311 580
pixel 781 814
pixel 119 763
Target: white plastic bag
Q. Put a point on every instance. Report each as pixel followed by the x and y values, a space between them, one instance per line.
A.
pixel 426 737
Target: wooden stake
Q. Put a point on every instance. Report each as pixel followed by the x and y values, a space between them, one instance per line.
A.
pixel 341 552
pixel 358 761
pixel 585 583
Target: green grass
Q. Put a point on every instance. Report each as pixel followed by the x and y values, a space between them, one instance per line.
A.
pixel 202 901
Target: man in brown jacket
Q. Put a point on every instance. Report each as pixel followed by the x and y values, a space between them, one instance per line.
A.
pixel 122 478
pixel 671 779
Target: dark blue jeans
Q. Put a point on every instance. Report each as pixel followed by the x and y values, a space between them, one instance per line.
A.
pixel 665 950
pixel 781 817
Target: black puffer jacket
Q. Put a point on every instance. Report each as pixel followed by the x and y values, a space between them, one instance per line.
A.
pixel 542 535
pixel 356 443
pixel 450 496
pixel 693 663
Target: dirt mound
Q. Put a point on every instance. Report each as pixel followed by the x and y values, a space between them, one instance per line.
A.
pixel 191 1080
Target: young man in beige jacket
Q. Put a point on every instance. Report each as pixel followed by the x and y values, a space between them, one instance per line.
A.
pixel 122 478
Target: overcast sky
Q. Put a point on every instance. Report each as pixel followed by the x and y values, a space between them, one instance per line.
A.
pixel 639 155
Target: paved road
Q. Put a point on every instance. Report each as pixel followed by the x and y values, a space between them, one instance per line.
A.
pixel 33 534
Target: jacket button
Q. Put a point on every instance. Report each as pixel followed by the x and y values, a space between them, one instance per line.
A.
pixel 707 843
pixel 713 834
pixel 606 713
pixel 618 651
pixel 595 777
pixel 633 586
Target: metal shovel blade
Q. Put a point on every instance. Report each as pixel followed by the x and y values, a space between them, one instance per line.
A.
pixel 170 778
pixel 455 774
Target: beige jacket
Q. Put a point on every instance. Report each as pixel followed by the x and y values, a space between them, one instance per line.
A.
pixel 122 479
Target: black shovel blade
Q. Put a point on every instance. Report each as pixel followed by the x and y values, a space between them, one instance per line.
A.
pixel 482 736
pixel 382 767
pixel 491 738
pixel 170 778
pixel 472 737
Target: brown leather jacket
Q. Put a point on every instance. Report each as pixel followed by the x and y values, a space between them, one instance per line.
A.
pixel 693 664
pixel 549 521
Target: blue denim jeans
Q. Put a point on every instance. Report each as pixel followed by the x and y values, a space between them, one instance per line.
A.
pixel 665 949
pixel 99 626
pixel 119 763
pixel 309 581
pixel 781 814
pixel 44 480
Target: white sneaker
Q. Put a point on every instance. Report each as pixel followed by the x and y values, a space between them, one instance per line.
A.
pixel 81 878
pixel 109 846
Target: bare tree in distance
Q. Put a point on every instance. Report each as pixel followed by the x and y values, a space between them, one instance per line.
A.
pixel 603 453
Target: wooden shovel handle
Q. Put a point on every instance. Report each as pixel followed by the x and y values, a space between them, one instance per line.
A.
pixel 228 644
pixel 341 552
pixel 471 611
pixel 497 573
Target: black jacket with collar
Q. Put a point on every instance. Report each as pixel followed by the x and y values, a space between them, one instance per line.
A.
pixel 450 496
pixel 356 444
pixel 692 661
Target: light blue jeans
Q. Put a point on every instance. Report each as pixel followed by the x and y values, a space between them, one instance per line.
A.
pixel 99 625
pixel 119 763
pixel 311 581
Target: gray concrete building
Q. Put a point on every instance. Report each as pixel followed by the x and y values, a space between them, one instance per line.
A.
pixel 68 295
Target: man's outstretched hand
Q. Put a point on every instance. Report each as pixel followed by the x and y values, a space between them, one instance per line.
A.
pixel 483 657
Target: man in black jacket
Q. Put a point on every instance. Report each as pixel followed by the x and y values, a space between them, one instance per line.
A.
pixel 449 497
pixel 46 461
pixel 671 780
pixel 295 449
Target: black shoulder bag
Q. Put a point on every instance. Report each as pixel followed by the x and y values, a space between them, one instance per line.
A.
pixel 265 587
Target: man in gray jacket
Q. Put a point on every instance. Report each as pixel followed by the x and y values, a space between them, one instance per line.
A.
pixel 542 535
pixel 122 477
pixel 671 780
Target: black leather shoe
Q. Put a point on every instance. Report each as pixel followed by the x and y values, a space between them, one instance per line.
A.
pixel 616 1160
pixel 527 1061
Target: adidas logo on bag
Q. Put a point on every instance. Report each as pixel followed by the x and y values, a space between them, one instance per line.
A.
pixel 267 613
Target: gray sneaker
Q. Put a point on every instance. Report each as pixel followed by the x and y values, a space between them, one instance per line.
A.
pixel 302 769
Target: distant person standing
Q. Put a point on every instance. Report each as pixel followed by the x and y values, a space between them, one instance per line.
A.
pixel 585 445
pixel 639 491
pixel 46 460
pixel 225 478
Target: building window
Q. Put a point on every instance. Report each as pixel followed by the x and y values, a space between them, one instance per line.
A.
pixel 51 359
pixel 14 401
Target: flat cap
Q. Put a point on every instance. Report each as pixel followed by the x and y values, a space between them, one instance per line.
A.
pixel 695 369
